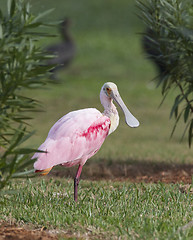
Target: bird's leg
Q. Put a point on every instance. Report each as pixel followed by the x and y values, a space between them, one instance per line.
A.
pixel 76 182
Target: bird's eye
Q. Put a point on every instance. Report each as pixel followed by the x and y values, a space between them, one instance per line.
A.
pixel 108 91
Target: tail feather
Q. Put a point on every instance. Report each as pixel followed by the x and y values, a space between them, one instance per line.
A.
pixel 43 172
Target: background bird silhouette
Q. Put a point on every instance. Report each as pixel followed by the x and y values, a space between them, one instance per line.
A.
pixel 64 51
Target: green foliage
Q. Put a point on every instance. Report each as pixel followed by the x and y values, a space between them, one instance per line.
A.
pixel 20 68
pixel 171 21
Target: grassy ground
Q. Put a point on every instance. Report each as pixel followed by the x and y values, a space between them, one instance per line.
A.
pixel 108 49
pixel 105 210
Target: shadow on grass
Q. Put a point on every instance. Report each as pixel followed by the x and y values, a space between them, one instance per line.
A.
pixel 134 171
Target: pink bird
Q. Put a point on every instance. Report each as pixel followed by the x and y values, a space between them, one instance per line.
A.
pixel 78 135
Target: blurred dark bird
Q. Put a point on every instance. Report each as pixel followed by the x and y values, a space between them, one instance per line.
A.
pixel 64 52
pixel 153 52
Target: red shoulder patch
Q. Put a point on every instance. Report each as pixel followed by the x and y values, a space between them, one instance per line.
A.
pixel 99 127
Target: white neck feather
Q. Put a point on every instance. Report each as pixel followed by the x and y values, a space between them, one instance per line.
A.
pixel 110 111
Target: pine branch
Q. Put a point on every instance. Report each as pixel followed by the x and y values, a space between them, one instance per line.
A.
pixel 167 42
pixel 20 68
pixel 184 95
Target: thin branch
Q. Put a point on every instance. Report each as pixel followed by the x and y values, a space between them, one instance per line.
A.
pixel 184 95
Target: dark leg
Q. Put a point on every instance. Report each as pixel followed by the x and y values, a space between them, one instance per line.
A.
pixel 76 182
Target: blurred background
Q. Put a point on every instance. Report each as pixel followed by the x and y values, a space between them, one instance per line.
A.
pixel 107 39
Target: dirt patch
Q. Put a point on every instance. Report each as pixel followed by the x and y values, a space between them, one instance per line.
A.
pixel 148 172
pixel 14 232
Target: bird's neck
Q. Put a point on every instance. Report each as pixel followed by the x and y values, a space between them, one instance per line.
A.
pixel 66 36
pixel 111 112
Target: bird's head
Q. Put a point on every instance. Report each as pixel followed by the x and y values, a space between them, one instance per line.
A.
pixel 109 88
pixel 110 91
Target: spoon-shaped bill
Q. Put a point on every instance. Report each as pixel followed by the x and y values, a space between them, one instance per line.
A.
pixel 129 118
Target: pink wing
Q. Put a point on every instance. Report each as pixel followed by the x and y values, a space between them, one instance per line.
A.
pixel 73 139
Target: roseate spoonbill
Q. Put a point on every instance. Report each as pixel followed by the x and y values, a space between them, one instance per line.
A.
pixel 78 135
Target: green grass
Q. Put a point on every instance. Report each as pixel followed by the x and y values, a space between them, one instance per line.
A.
pixel 105 210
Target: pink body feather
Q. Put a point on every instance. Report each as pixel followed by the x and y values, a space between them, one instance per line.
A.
pixel 73 139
